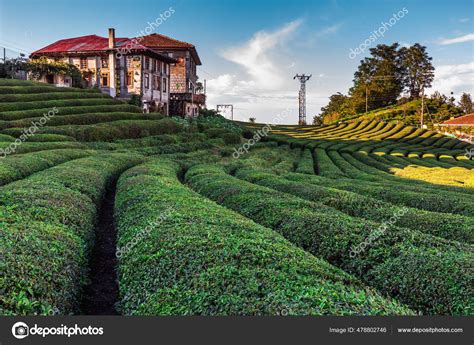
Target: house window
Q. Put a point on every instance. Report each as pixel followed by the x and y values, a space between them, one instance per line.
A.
pixel 104 62
pixel 129 78
pixel 105 79
pixel 157 83
pixel 147 63
pixel 165 82
pixel 83 63
pixel 158 66
pixel 147 81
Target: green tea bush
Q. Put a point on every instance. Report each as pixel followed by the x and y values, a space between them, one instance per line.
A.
pixel 436 202
pixel 50 138
pixel 109 131
pixel 45 242
pixel 203 259
pixel 44 88
pixel 16 167
pixel 306 164
pixel 32 113
pixel 82 119
pixel 27 147
pixel 326 166
pixel 15 106
pixel 449 226
pixel 388 264
pixel 231 138
pixel 50 96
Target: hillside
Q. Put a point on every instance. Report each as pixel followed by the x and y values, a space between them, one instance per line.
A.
pixel 104 210
pixel 408 113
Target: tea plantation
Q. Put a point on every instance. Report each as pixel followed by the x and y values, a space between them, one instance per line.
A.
pixel 360 218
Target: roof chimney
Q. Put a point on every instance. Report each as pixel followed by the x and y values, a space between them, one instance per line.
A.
pixel 111 38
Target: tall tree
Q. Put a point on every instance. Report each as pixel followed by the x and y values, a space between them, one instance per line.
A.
pixel 417 70
pixel 337 106
pixel 466 103
pixel 378 79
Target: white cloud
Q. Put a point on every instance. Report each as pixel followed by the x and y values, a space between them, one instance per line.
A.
pixel 464 20
pixel 454 78
pixel 460 39
pixel 257 56
pixel 261 83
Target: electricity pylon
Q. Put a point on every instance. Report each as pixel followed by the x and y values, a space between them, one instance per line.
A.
pixel 302 97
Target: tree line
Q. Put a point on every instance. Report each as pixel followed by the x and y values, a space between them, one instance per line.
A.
pixel 382 78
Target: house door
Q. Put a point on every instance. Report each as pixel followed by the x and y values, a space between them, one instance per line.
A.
pixel 50 78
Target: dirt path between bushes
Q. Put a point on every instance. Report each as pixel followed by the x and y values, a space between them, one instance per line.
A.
pixel 102 292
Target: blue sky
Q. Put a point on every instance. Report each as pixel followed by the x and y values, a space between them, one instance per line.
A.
pixel 252 49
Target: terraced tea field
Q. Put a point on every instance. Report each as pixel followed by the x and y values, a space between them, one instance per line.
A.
pixel 105 210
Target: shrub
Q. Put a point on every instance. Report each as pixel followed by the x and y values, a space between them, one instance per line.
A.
pixel 306 164
pixel 50 96
pixel 40 88
pixel 50 233
pixel 110 131
pixel 231 138
pixel 247 134
pixel 330 234
pixel 81 119
pixel 12 106
pixel 453 227
pixel 16 167
pixel 6 138
pixel 32 113
pixel 136 100
pixel 202 259
pixel 215 132
pixel 50 138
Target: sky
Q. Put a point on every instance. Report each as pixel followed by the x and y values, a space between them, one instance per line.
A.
pixel 251 50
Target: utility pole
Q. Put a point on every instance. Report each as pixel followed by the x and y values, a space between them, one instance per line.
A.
pixel 302 97
pixel 366 98
pixel 422 104
pixel 225 106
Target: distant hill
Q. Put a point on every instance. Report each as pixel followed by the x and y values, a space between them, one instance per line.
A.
pixel 408 113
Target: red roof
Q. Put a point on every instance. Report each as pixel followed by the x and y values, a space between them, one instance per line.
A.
pixel 466 120
pixel 154 43
pixel 78 44
pixel 162 41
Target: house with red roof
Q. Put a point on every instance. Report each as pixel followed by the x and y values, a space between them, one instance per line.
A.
pixel 460 121
pixel 160 69
pixel 462 127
